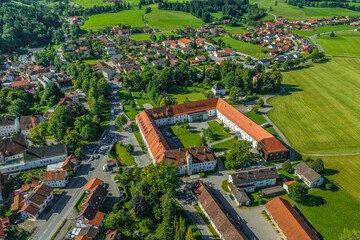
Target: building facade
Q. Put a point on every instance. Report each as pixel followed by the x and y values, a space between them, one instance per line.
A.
pixel 9 125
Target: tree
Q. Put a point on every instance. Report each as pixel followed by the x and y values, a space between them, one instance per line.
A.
pixel 59 122
pixel 18 108
pixel 287 166
pixel 78 152
pixel 189 235
pixel 208 133
pixel 121 120
pixel 72 139
pixel 86 128
pixel 37 134
pixel 332 34
pixel 318 165
pixel 238 155
pixel 350 234
pixel 52 94
pixel 260 102
pixel 129 149
pixel 235 93
pixel 298 192
pixel 146 226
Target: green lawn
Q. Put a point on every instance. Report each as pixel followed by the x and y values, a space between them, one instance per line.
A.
pixel 293 12
pixel 126 17
pixel 218 131
pixel 319 111
pixel 124 157
pixel 186 137
pixel 90 3
pixel 129 111
pixel 92 61
pixel 40 108
pixel 235 29
pixel 180 93
pixel 80 202
pixel 344 170
pixel 141 99
pixel 334 213
pixel 171 20
pixel 142 37
pixel 217 15
pixel 223 146
pixel 344 44
pixel 323 29
pixel 140 140
pixel 245 47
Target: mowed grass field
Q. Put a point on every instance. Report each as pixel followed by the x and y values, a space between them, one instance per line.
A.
pixel 323 29
pixel 171 20
pixel 127 17
pixel 293 12
pixel 344 44
pixel 320 110
pixel 142 37
pixel 244 47
pixel 90 3
pixel 345 170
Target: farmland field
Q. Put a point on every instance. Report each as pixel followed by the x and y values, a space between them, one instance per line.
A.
pixel 293 12
pixel 90 3
pixel 323 29
pixel 244 47
pixel 171 20
pixel 345 44
pixel 319 112
pixel 127 17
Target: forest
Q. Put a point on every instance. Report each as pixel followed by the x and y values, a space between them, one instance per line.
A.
pixel 324 4
pixel 24 25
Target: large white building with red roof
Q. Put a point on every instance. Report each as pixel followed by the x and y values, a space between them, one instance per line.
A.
pixel 149 121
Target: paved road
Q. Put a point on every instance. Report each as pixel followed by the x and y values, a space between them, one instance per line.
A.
pixel 64 207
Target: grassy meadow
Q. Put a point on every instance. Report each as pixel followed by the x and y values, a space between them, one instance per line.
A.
pixel 323 29
pixel 142 37
pixel 293 12
pixel 90 3
pixel 244 47
pixel 344 44
pixel 180 93
pixel 171 20
pixel 319 112
pixel 126 17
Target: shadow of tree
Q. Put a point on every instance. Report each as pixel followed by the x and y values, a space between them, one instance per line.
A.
pixel 313 201
pixel 329 172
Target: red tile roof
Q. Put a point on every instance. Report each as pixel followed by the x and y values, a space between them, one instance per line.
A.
pixel 53 175
pixel 83 238
pixel 17 203
pixel 30 208
pixel 96 221
pixel 184 41
pixel 93 183
pixel 28 122
pixel 225 225
pixel 289 220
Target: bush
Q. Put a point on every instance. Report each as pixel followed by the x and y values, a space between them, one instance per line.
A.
pixel 201 175
pixel 121 143
pixel 287 166
pixel 328 186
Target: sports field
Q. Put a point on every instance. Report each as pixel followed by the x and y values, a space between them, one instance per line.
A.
pixel 244 47
pixel 344 44
pixel 171 20
pixel 320 110
pixel 127 17
pixel 142 37
pixel 90 3
pixel 293 12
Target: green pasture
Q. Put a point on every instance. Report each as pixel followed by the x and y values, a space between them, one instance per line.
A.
pixel 344 44
pixel 90 3
pixel 142 37
pixel 323 29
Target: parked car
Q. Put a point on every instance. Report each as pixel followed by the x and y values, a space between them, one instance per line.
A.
pixel 231 197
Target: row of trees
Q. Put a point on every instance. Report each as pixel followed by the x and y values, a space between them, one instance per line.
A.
pixel 24 25
pixel 153 211
pixel 325 4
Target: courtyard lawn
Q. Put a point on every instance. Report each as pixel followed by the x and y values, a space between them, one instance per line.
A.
pixel 323 29
pixel 218 131
pixel 293 12
pixel 186 137
pixel 180 93
pixel 319 111
pixel 171 20
pixel 332 212
pixel 224 146
pixel 142 37
pixel 126 17
pixel 141 99
pixel 344 170
pixel 253 50
pixel 344 44
pixel 123 156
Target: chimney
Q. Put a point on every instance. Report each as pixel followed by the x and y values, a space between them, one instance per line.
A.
pixel 204 150
pixel 196 151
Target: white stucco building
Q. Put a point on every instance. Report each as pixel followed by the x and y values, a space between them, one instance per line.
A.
pixel 9 125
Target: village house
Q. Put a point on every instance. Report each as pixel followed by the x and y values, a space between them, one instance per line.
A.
pixel 287 184
pixel 239 194
pixel 218 89
pixel 28 122
pixel 309 176
pixel 249 180
pixel 186 51
pixel 55 179
pixel 289 221
pixel 36 201
pixel 184 42
pixel 74 95
pixel 11 149
pixel 109 73
pixel 225 53
pixel 9 125
pixel 223 224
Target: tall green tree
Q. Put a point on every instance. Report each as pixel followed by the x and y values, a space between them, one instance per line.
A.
pixel 318 165
pixel 18 108
pixel 298 192
pixel 85 126
pixel 37 134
